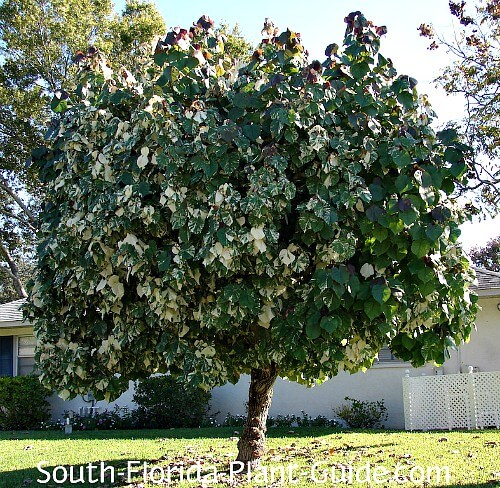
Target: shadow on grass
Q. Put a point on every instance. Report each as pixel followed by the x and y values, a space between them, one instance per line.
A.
pixel 111 473
pixel 202 433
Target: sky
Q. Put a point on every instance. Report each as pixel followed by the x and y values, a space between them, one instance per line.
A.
pixel 321 22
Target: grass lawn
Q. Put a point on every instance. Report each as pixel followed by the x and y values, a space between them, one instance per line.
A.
pixel 473 458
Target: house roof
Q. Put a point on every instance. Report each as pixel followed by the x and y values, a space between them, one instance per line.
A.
pixel 11 315
pixel 487 280
pixel 488 284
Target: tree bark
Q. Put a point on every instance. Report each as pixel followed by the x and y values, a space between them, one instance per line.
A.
pixel 251 445
pixel 13 272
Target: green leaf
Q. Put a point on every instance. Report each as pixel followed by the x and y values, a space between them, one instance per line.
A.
pixel 423 178
pixel 381 293
pixel 248 300
pixel 450 343
pixel 252 131
pixel 405 98
pixel 409 216
pixel 380 233
pixel 377 192
pixel 402 183
pixel 313 329
pixel 407 342
pixel 401 158
pixel 165 78
pixel 359 70
pixel 447 136
pixel 420 248
pixel 241 100
pixel 330 324
pixel 433 232
pixel 372 309
pixel 396 225
pixel 235 113
pixel 374 212
pixel 59 103
pixel 160 58
pixel 340 275
pixel 164 260
pixel 453 155
pixel 458 169
pixel 144 188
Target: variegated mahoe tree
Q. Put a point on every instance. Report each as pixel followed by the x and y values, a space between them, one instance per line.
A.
pixel 276 218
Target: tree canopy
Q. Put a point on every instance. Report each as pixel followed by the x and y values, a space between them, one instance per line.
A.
pixel 39 40
pixel 488 256
pixel 474 73
pixel 284 217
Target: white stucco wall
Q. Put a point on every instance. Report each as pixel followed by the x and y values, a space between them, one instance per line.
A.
pixel 483 350
pixel 58 406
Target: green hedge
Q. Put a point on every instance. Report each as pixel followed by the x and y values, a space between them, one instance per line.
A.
pixel 23 403
pixel 162 402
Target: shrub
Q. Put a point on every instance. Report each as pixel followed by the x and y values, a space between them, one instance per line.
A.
pixel 234 420
pixel 162 402
pixel 318 421
pixel 361 414
pixel 118 418
pixel 23 403
pixel 281 421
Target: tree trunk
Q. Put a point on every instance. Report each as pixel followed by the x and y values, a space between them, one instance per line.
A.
pixel 252 442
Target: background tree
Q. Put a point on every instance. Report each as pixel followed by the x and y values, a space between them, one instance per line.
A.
pixel 475 74
pixel 39 39
pixel 235 45
pixel 487 257
pixel 282 219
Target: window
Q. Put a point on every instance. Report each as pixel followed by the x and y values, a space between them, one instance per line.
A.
pixel 6 359
pixel 25 355
pixel 385 356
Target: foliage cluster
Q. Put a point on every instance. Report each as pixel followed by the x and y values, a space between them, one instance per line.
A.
pixel 205 218
pixel 23 403
pixel 38 42
pixel 361 414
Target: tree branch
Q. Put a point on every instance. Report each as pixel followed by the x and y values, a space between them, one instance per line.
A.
pixel 17 199
pixel 19 219
pixel 13 272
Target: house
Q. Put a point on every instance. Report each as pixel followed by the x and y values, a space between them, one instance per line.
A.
pixel 382 382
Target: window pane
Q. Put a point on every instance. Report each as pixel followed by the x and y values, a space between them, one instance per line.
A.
pixel 6 355
pixel 25 366
pixel 26 346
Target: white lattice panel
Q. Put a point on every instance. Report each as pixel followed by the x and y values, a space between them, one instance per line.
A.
pixel 487 399
pixel 455 401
